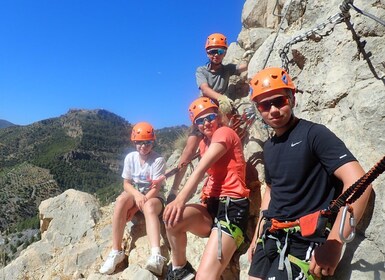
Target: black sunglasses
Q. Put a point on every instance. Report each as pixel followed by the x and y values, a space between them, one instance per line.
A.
pixel 277 102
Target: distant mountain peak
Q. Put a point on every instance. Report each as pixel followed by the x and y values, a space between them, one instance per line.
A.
pixel 5 123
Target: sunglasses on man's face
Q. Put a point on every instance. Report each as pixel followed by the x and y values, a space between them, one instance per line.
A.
pixel 277 102
pixel 146 143
pixel 216 51
pixel 207 118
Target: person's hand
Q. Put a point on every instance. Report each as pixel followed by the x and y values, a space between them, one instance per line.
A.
pixel 225 104
pixel 158 182
pixel 173 213
pixel 246 57
pixel 140 200
pixel 325 258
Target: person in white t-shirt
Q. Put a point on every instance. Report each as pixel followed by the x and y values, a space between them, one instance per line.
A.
pixel 143 190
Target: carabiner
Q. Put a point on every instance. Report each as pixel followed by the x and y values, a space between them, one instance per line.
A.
pixel 352 223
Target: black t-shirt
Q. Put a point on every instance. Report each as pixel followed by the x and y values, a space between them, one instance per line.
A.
pixel 299 168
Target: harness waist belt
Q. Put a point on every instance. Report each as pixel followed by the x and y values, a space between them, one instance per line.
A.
pixel 310 225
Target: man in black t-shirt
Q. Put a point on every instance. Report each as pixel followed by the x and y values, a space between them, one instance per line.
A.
pixel 306 167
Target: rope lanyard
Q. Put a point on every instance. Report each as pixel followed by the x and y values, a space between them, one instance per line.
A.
pixel 283 16
pixel 358 188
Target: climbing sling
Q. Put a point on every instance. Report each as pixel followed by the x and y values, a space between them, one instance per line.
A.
pixel 235 231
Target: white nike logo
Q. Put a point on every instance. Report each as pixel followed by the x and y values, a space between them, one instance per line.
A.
pixel 296 143
pixel 343 156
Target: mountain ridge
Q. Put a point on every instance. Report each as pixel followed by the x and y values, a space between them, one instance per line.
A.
pixel 5 123
pixel 82 149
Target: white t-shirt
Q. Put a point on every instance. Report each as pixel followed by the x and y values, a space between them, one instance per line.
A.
pixel 143 175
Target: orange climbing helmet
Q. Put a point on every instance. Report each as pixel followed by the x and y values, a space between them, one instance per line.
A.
pixel 270 79
pixel 216 40
pixel 142 131
pixel 199 105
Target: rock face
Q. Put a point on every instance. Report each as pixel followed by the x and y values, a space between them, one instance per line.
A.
pixel 339 70
pixel 76 237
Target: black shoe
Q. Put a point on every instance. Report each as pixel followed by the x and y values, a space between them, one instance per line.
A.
pixel 185 273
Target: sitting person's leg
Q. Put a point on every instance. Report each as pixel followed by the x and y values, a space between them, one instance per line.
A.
pixel 226 236
pixel 196 220
pixel 210 266
pixel 151 210
pixel 124 203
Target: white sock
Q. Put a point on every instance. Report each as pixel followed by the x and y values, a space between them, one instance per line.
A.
pixel 177 267
pixel 114 251
pixel 155 251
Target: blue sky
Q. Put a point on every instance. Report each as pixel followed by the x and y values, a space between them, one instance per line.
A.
pixel 136 59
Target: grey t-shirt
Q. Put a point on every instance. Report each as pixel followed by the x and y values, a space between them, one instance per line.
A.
pixel 219 80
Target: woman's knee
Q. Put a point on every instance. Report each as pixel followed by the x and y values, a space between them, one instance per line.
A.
pixel 195 219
